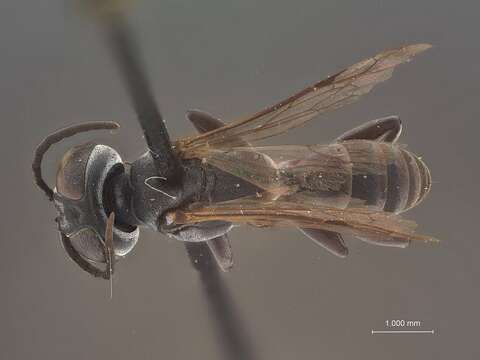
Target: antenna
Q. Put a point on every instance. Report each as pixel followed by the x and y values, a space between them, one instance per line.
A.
pixel 109 250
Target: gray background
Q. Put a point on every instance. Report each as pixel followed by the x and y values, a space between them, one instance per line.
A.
pixel 233 58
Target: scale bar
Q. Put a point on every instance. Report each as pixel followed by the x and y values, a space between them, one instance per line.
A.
pixel 403 332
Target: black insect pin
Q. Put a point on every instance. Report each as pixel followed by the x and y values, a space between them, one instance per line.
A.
pixel 196 188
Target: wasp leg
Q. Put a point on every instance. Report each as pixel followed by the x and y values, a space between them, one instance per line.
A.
pixel 398 243
pixel 202 254
pixel 222 252
pixel 220 247
pixel 201 257
pixel 329 240
pixel 385 129
pixel 204 122
pixel 201 232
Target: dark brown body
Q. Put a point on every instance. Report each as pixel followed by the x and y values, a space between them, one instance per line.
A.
pixel 403 183
pixel 198 188
pixel 379 175
pixel 382 176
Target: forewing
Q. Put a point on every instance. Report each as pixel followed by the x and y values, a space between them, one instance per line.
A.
pixel 360 222
pixel 332 93
pixel 314 172
pixel 280 169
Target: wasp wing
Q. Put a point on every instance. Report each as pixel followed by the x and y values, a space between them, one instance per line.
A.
pixel 359 222
pixel 277 169
pixel 319 174
pixel 332 93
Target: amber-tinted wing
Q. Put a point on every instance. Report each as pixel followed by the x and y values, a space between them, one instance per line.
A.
pixel 277 169
pixel 360 222
pixel 315 172
pixel 332 93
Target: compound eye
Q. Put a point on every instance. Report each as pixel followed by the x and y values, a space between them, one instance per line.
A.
pixel 70 181
pixel 88 245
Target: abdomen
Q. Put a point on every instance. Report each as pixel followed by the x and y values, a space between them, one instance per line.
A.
pixel 386 176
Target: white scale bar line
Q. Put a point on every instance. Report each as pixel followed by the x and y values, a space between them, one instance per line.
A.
pixel 403 332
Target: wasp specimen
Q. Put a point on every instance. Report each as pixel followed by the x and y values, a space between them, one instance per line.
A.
pixel 197 188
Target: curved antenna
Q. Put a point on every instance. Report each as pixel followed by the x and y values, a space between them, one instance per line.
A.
pixel 108 253
pixel 56 137
pixel 77 258
pixel 109 250
pixel 125 53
